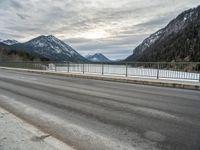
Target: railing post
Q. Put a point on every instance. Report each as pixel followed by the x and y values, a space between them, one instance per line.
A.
pixel 126 70
pixel 158 70
pixel 102 69
pixel 83 68
pixel 199 77
pixel 68 66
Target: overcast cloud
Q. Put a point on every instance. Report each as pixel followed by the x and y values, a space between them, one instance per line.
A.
pixel 111 27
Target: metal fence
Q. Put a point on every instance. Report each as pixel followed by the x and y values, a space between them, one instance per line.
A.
pixel 26 65
pixel 156 70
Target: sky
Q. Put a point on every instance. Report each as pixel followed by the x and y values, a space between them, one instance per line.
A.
pixel 111 27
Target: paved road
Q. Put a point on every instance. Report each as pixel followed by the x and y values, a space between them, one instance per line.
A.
pixel 91 114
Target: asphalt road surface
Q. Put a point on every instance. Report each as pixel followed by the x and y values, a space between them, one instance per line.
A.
pixel 92 114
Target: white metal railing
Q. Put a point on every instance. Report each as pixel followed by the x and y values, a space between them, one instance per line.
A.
pixel 157 70
pixel 175 71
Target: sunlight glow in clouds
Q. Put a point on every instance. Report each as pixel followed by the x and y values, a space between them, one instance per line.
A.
pixel 94 34
pixel 111 27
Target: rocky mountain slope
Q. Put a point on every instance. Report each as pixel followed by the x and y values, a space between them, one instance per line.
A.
pixel 47 47
pixel 98 57
pixel 9 42
pixel 178 41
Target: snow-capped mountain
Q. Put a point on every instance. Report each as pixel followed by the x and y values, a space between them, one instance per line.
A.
pixel 9 42
pixel 176 26
pixel 50 47
pixel 98 57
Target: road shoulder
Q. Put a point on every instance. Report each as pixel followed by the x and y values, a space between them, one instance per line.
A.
pixel 16 134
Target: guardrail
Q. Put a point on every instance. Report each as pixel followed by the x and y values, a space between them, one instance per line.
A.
pixel 156 70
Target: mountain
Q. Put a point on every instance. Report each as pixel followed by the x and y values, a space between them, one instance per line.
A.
pixel 9 54
pixel 50 47
pixel 9 42
pixel 178 41
pixel 98 57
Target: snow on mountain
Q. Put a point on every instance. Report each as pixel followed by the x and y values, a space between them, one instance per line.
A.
pixel 98 57
pixel 52 48
pixel 9 42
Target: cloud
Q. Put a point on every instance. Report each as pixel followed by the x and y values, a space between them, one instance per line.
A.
pixel 113 27
pixel 22 16
pixel 15 4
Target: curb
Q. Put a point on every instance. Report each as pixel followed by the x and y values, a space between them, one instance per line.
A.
pixel 160 83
